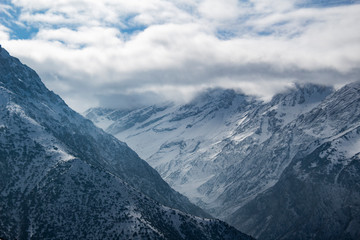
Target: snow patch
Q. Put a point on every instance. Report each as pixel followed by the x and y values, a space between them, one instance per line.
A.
pixel 241 137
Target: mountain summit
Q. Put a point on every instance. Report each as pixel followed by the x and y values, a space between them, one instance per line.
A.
pixel 63 178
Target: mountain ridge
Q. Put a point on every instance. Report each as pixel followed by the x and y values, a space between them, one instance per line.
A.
pixel 228 108
pixel 64 178
pixel 231 159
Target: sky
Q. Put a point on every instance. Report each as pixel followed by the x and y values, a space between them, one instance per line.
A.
pixel 120 53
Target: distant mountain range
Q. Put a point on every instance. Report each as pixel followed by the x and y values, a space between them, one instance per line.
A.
pixel 283 169
pixel 64 178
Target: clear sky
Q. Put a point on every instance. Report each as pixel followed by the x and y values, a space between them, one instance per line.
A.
pixel 123 53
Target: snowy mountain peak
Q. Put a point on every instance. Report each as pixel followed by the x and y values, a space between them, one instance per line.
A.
pixel 351 88
pixel 214 94
pixel 302 94
pixel 4 53
pixel 23 81
pixel 217 98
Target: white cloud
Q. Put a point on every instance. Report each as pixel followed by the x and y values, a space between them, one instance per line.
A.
pixel 5 9
pixel 88 49
pixel 101 13
pixel 274 6
pixel 4 33
pixel 92 36
pixel 220 9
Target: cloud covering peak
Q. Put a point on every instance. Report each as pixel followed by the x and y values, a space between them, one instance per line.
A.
pixel 101 52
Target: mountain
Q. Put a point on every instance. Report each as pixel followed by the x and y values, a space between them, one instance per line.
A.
pixel 225 150
pixel 62 177
pixel 253 158
pixel 204 148
pixel 318 194
pixel 181 143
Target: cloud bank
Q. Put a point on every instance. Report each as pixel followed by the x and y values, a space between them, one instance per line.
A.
pixel 121 53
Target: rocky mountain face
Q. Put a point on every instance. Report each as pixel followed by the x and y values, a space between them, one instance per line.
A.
pixel 318 194
pixel 63 178
pixel 224 150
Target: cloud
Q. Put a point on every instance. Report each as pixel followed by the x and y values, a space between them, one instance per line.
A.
pixel 220 10
pixel 4 33
pixel 105 52
pixel 276 6
pixel 5 9
pixel 88 36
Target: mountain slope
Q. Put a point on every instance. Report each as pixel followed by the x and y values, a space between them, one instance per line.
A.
pixel 255 156
pixel 319 192
pixel 317 197
pixel 204 148
pixel 80 138
pixel 64 178
pixel 238 157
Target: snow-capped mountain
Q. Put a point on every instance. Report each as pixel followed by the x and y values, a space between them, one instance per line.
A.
pixel 176 140
pixel 197 147
pixel 318 194
pixel 224 149
pixel 63 178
